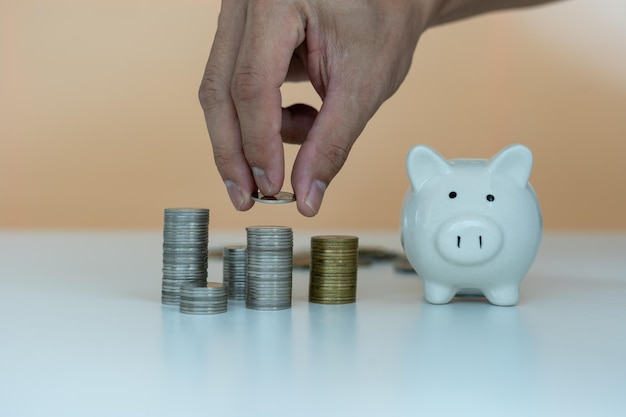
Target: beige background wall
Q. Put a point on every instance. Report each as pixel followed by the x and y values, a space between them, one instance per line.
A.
pixel 100 125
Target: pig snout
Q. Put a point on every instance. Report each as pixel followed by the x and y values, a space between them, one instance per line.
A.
pixel 468 240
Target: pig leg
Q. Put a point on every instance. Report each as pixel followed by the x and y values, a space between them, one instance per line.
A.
pixel 505 295
pixel 436 293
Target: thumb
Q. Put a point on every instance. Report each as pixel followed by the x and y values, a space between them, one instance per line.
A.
pixel 341 119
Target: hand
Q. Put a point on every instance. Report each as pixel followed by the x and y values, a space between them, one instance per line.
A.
pixel 355 53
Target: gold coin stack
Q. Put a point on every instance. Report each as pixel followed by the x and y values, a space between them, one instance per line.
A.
pixel 333 269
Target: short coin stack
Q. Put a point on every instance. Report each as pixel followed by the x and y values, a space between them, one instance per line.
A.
pixel 207 298
pixel 185 251
pixel 333 269
pixel 269 267
pixel 235 271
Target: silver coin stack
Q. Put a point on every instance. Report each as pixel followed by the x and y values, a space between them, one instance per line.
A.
pixel 235 258
pixel 270 255
pixel 207 298
pixel 185 251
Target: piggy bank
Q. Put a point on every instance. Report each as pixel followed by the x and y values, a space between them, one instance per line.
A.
pixel 471 226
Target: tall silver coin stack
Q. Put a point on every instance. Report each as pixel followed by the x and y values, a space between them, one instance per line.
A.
pixel 270 255
pixel 185 251
pixel 235 258
pixel 207 298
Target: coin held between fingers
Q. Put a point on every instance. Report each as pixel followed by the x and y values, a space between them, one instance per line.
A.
pixel 282 197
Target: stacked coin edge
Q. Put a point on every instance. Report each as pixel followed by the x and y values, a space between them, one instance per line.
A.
pixel 333 270
pixel 269 267
pixel 235 271
pixel 185 250
pixel 207 298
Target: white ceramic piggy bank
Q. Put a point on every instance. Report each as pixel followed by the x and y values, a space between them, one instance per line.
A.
pixel 471 226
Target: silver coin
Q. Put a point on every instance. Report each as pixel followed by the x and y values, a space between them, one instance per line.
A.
pixel 203 311
pixel 194 304
pixel 272 305
pixel 281 197
pixel 268 228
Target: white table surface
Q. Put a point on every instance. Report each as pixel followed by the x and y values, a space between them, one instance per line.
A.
pixel 83 333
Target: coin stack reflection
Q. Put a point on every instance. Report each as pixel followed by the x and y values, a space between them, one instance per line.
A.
pixel 270 252
pixel 235 258
pixel 207 298
pixel 333 269
pixel 185 251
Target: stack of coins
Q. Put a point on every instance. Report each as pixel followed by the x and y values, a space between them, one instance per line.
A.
pixel 235 258
pixel 270 252
pixel 206 298
pixel 333 269
pixel 185 251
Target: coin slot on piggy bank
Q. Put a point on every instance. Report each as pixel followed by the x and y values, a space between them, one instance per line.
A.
pixel 471 226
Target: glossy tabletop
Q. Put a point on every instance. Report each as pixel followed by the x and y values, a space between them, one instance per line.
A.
pixel 83 333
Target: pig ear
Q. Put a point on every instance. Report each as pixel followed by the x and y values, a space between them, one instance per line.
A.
pixel 515 161
pixel 422 163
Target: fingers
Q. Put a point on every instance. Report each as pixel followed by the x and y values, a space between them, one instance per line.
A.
pixel 326 148
pixel 259 44
pixel 219 109
pixel 273 31
pixel 250 58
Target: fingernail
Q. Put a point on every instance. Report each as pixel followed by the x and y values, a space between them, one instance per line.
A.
pixel 235 194
pixel 261 180
pixel 314 198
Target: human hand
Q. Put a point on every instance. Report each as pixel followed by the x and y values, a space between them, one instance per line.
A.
pixel 355 53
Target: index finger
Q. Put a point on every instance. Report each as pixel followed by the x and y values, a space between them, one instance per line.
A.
pixel 219 109
pixel 272 33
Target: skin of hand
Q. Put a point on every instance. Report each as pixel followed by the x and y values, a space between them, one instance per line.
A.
pixel 355 53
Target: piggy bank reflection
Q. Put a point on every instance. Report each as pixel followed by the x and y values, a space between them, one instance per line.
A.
pixel 471 226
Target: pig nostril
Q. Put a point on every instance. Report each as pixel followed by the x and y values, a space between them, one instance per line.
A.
pixel 458 241
pixel 480 241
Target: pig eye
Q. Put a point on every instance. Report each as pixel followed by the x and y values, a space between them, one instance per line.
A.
pixel 452 194
pixel 490 197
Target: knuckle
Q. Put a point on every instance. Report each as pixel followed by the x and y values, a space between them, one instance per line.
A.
pixel 336 156
pixel 247 84
pixel 213 90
